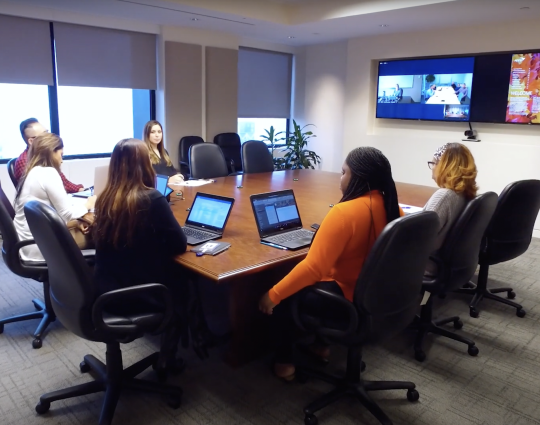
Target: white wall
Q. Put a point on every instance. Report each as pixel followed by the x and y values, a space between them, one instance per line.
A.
pixel 505 154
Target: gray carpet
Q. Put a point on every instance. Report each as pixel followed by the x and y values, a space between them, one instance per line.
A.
pixel 500 386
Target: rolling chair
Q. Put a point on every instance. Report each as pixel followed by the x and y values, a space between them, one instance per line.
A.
pixel 385 301
pixel 230 144
pixel 11 171
pixel 456 261
pixel 256 158
pixel 508 236
pixel 183 153
pixel 99 319
pixel 206 161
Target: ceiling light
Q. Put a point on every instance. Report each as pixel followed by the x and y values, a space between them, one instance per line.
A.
pixel 524 8
pixel 384 25
pixel 195 19
pixel 290 36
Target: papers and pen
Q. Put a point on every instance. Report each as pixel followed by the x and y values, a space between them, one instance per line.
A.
pixel 194 183
pixel 410 209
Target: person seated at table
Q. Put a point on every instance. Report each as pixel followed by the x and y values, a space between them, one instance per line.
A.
pixel 30 129
pixel 398 92
pixel 454 171
pixel 338 251
pixel 42 182
pixel 161 162
pixel 463 93
pixel 431 91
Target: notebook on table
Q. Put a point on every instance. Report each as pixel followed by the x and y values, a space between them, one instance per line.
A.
pixel 207 218
pixel 278 220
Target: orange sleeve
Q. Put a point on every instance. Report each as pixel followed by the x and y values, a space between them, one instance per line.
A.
pixel 328 245
pixel 401 213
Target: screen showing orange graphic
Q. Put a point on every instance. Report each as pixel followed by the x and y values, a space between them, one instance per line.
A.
pixel 524 92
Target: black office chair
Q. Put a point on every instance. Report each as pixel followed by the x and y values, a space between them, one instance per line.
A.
pixel 206 161
pixel 116 317
pixel 11 171
pixel 230 144
pixel 456 260
pixel 27 269
pixel 256 158
pixel 385 301
pixel 183 153
pixel 508 236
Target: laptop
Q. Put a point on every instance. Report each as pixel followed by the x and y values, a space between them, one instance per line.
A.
pixel 101 174
pixel 207 218
pixel 278 220
pixel 162 185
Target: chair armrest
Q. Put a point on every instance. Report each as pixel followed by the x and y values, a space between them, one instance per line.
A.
pixel 337 299
pixel 183 163
pixel 120 294
pixel 428 282
pixel 231 162
pixel 237 173
pixel 14 253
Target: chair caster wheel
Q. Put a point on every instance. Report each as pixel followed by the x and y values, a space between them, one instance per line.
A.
pixel 174 401
pixel 43 407
pixel 310 419
pixel 520 313
pixel 473 350
pixel 83 367
pixel 511 295
pixel 413 395
pixel 362 366
pixel 420 355
pixel 37 343
pixel 473 313
pixel 458 324
pixel 2 328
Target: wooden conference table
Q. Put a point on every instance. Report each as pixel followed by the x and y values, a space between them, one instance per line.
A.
pixel 444 95
pixel 249 268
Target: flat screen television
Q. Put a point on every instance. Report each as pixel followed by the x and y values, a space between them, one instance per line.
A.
pixel 438 89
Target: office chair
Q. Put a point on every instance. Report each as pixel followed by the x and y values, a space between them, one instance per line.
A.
pixel 183 153
pixel 206 161
pixel 230 144
pixel 456 261
pixel 107 318
pixel 256 158
pixel 385 301
pixel 11 171
pixel 507 237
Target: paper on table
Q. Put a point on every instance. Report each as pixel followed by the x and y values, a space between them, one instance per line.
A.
pixel 194 183
pixel 410 209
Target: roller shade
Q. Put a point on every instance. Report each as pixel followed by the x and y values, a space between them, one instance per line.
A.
pixel 99 57
pixel 25 51
pixel 264 84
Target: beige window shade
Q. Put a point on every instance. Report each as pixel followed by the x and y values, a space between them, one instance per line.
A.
pixel 25 51
pixel 99 57
pixel 264 84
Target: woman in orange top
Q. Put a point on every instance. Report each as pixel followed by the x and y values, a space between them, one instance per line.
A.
pixel 339 248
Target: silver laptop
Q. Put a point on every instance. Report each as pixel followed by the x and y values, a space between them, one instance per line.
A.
pixel 207 218
pixel 101 174
pixel 278 220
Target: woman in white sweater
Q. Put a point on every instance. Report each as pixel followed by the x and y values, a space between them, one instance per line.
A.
pixel 42 182
pixel 454 171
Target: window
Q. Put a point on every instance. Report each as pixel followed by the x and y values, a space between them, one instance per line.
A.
pixel 17 103
pixel 92 119
pixel 254 128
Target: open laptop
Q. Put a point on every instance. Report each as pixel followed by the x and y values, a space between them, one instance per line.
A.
pixel 101 174
pixel 207 218
pixel 278 220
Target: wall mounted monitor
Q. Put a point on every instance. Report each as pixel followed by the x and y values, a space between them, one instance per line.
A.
pixel 438 89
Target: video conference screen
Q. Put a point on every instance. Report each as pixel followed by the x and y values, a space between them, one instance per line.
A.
pixel 495 88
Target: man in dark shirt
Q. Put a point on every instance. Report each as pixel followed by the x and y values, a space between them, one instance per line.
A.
pixel 30 129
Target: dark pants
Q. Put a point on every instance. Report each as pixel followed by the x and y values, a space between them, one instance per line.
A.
pixel 285 330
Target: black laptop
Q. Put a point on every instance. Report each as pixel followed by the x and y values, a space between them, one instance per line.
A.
pixel 207 218
pixel 278 220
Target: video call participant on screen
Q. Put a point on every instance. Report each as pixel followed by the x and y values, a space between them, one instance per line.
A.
pixel 398 92
pixel 137 236
pixel 42 182
pixel 153 137
pixel 431 91
pixel 454 171
pixel 463 93
pixel 30 129
pixel 338 251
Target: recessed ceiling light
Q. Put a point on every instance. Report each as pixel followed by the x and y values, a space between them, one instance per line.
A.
pixel 524 8
pixel 290 36
pixel 195 19
pixel 384 25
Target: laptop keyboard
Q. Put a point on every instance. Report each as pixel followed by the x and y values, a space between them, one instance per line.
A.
pixel 290 236
pixel 197 234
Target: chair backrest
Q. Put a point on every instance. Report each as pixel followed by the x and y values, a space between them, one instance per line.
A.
pixel 388 290
pixel 256 158
pixel 510 231
pixel 183 153
pixel 9 234
pixel 460 250
pixel 70 278
pixel 11 171
pixel 206 161
pixel 230 144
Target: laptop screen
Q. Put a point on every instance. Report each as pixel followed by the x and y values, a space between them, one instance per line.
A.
pixel 210 211
pixel 161 185
pixel 275 212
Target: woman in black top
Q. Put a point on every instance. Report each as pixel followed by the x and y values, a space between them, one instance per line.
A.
pixel 153 137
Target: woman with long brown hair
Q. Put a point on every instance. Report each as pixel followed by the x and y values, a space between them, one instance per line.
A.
pixel 42 182
pixel 161 162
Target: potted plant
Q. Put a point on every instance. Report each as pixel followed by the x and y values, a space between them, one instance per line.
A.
pixel 296 155
pixel 271 138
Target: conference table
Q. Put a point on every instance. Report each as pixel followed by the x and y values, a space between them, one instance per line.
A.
pixel 248 268
pixel 444 96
